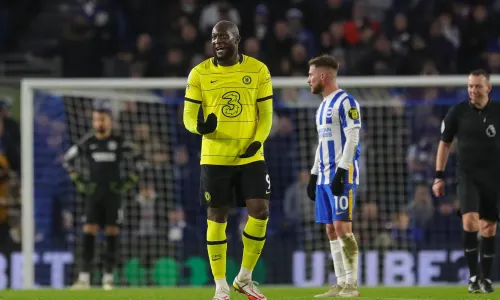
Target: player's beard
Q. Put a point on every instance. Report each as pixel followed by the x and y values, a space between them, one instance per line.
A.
pixel 318 89
pixel 101 129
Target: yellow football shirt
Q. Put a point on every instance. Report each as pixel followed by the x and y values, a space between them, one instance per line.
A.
pixel 241 98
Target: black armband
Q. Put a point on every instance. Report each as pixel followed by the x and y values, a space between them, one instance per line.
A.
pixel 439 175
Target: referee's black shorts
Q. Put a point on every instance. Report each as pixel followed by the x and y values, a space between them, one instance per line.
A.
pixel 479 192
pixel 232 185
pixel 103 209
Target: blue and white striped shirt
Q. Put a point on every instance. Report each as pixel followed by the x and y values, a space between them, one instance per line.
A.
pixel 336 116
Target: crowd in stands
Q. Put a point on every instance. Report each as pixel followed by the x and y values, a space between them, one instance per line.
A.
pixel 370 37
pixel 158 38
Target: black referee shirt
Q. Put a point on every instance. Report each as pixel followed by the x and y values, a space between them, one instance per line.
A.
pixel 476 132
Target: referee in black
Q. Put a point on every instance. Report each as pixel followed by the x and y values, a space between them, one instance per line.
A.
pixel 104 151
pixel 474 122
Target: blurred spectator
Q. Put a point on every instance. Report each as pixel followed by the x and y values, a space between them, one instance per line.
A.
pixel 216 11
pixel 297 206
pixel 185 172
pixel 260 27
pixel 146 16
pixel 147 198
pixel 251 47
pixel 361 50
pixel 377 9
pixel 147 220
pixel 400 34
pixel 299 61
pixel 449 30
pixel 299 210
pixel 280 44
pixel 5 28
pixel 176 64
pixel 370 228
pixel 402 234
pixel 191 42
pixel 293 97
pixel 441 49
pixel 182 12
pixel 176 225
pixel 141 61
pixel 445 227
pixel 4 188
pixel 106 16
pixel 299 33
pixel 337 37
pixel 476 32
pixel 208 50
pixel 353 28
pixel 420 161
pixel 10 136
pixel 282 157
pixel 417 55
pixel 494 58
pixel 381 61
pixel 147 142
pixel 421 208
pixel 80 48
pixel 454 36
pixel 337 11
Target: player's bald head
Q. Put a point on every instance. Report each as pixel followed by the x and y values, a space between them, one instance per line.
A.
pixel 225 40
pixel 226 27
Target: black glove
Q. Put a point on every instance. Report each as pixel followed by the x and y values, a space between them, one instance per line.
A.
pixel 251 150
pixel 207 126
pixel 338 182
pixel 311 187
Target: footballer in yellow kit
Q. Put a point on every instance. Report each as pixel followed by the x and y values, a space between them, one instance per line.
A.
pixel 235 93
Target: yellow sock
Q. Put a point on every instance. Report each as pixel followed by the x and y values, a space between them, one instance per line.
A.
pixel 217 248
pixel 254 237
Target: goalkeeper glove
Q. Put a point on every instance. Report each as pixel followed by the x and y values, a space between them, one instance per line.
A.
pixel 311 187
pixel 85 188
pixel 251 150
pixel 124 185
pixel 338 182
pixel 207 126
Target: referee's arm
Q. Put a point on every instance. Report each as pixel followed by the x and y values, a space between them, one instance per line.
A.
pixel 449 129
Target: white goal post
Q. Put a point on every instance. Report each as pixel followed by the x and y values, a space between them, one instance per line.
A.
pixel 107 87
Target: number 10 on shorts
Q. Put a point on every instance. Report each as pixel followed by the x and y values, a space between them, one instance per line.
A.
pixel 343 206
pixel 341 203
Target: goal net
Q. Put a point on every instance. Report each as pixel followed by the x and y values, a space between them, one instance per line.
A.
pixel 401 229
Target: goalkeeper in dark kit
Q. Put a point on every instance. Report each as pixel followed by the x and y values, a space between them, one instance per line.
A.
pixel 104 151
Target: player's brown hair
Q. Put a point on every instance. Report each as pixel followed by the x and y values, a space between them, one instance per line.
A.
pixel 326 61
pixel 480 72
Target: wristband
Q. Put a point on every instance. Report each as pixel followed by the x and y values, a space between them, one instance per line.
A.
pixel 439 174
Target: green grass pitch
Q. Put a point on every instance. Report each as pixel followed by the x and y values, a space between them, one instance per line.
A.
pixel 272 293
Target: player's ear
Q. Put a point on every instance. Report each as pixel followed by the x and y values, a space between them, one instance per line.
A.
pixel 238 39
